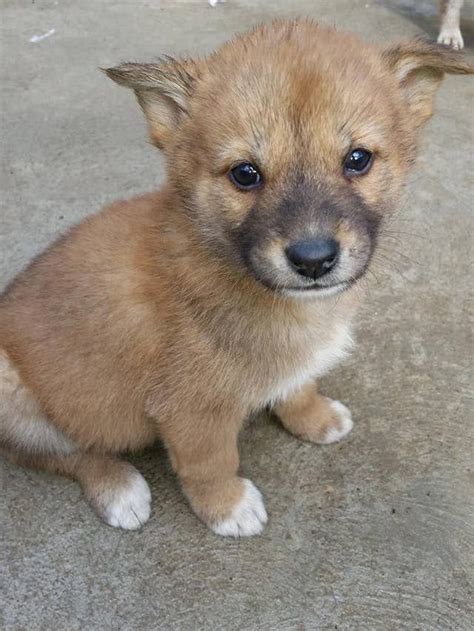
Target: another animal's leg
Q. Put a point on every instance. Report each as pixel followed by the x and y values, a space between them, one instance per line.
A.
pixel 450 18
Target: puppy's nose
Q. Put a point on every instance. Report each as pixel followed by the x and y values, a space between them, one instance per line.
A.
pixel 313 258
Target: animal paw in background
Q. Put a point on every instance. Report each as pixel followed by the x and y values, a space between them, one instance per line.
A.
pixel 450 31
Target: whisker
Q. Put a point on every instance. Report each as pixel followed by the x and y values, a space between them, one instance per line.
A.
pixel 403 256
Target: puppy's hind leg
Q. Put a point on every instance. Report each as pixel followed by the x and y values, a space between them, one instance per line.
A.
pixel 115 489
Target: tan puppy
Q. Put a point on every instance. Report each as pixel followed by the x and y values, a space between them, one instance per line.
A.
pixel 174 315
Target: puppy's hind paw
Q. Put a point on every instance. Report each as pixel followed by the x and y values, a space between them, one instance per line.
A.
pixel 126 505
pixel 248 516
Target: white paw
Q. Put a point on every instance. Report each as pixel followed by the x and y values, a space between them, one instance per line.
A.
pixel 126 506
pixel 451 37
pixel 345 419
pixel 213 3
pixel 248 516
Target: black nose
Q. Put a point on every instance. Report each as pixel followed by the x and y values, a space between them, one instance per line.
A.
pixel 313 258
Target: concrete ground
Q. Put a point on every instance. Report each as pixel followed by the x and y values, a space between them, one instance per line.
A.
pixel 374 533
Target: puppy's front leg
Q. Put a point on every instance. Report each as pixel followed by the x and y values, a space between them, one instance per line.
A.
pixel 203 451
pixel 310 416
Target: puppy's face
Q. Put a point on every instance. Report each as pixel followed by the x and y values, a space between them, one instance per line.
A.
pixel 288 146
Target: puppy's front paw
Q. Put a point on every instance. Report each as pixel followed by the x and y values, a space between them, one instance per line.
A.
pixel 125 504
pixel 316 418
pixel 248 516
pixel 451 37
pixel 340 424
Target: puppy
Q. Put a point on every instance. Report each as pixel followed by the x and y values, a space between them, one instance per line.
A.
pixel 175 315
pixel 450 17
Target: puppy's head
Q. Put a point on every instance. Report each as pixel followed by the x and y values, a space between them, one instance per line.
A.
pixel 289 145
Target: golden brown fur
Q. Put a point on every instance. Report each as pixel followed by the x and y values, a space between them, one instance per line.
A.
pixel 173 315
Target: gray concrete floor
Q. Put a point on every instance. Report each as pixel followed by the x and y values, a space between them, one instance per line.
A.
pixel 374 533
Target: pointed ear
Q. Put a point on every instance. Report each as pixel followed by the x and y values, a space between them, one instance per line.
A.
pixel 163 91
pixel 419 67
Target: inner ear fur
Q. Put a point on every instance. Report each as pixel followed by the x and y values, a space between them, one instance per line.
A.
pixel 419 66
pixel 163 91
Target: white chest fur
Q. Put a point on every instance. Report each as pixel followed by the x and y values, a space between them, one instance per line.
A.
pixel 317 358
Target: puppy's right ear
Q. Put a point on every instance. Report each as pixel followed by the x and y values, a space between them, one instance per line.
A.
pixel 163 91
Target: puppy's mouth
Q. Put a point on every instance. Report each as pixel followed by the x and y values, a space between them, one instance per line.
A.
pixel 322 289
pixel 305 289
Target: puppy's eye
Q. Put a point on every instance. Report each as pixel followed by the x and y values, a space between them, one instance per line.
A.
pixel 245 176
pixel 357 162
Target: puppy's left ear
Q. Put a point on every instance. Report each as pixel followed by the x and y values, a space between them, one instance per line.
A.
pixel 419 67
pixel 163 90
